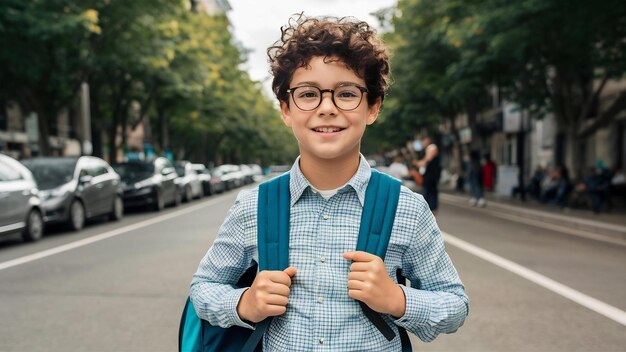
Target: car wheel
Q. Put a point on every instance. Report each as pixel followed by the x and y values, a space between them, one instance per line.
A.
pixel 159 201
pixel 118 209
pixel 178 198
pixel 34 226
pixel 77 215
pixel 188 194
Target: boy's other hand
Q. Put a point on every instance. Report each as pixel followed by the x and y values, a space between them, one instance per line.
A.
pixel 268 295
pixel 369 283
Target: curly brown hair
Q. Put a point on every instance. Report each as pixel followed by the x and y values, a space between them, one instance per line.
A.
pixel 352 42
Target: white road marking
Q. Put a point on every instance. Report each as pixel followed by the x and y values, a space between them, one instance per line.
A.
pixel 104 236
pixel 589 302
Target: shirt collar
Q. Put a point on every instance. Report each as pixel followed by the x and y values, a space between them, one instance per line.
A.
pixel 298 183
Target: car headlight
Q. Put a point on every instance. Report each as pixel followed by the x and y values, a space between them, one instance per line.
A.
pixel 58 192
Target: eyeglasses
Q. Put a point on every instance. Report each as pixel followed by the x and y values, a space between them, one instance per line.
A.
pixel 346 97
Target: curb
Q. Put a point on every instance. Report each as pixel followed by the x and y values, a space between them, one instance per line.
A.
pixel 594 227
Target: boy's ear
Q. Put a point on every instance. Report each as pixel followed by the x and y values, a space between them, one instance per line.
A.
pixel 373 111
pixel 285 113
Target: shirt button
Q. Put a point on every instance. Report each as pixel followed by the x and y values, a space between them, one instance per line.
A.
pixel 322 259
pixel 322 341
pixel 320 299
pixel 325 217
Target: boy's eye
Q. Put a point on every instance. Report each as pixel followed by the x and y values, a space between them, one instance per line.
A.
pixel 308 93
pixel 347 93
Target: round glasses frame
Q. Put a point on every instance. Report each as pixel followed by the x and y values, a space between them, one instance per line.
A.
pixel 332 96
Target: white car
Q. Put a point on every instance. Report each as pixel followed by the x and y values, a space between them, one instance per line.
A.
pixel 20 205
pixel 188 181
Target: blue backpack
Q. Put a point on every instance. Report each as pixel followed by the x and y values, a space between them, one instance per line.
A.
pixel 381 201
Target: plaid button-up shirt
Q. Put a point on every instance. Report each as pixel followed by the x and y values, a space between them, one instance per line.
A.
pixel 320 315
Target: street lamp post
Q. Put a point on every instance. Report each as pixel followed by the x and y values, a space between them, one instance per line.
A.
pixel 87 147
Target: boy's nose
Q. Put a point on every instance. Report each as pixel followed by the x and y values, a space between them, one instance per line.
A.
pixel 327 106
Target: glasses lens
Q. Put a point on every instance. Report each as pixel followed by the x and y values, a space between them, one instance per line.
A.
pixel 306 98
pixel 348 97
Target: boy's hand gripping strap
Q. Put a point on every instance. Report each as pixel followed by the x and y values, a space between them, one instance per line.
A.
pixel 379 212
pixel 274 203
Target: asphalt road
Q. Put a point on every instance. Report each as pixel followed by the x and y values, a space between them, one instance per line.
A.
pixel 121 286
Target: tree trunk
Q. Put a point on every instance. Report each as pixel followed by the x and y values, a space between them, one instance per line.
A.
pixel 112 139
pixel 164 140
pixel 44 132
pixel 96 123
pixel 119 106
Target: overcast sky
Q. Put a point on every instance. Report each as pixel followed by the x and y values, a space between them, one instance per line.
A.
pixel 257 23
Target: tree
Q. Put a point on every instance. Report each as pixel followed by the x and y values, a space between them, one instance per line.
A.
pixel 550 56
pixel 43 62
pixel 431 82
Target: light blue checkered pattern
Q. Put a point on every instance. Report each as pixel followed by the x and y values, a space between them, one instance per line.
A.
pixel 320 316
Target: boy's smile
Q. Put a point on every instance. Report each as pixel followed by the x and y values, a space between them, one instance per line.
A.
pixel 326 132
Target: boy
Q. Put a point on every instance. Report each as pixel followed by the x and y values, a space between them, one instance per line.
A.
pixel 330 76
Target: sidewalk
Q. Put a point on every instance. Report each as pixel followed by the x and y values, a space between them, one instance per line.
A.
pixel 611 225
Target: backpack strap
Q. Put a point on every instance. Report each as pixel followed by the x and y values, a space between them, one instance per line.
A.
pixel 273 210
pixel 379 212
pixel 404 337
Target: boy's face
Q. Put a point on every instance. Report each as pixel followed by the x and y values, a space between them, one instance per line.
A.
pixel 328 132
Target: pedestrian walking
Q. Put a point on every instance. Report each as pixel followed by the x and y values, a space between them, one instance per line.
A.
pixel 330 77
pixel 430 168
pixel 475 179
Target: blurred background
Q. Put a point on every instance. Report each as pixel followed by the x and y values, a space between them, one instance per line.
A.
pixel 111 111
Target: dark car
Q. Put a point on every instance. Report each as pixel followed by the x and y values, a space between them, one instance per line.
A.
pixel 74 189
pixel 149 183
pixel 20 206
pixel 188 181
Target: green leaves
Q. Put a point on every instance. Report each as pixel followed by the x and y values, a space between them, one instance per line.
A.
pixel 151 61
pixel 542 54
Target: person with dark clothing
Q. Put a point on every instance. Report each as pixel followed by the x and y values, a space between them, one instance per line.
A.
pixel 597 185
pixel 475 179
pixel 557 187
pixel 534 188
pixel 430 167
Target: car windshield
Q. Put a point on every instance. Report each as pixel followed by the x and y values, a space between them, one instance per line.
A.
pixel 180 170
pixel 200 170
pixel 51 173
pixel 134 171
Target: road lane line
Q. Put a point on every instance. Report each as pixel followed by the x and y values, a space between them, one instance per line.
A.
pixel 589 302
pixel 103 236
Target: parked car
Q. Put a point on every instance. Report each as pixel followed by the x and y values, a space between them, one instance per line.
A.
pixel 149 183
pixel 246 172
pixel 188 181
pixel 217 183
pixel 20 206
pixel 257 172
pixel 231 175
pixel 74 189
pixel 210 184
